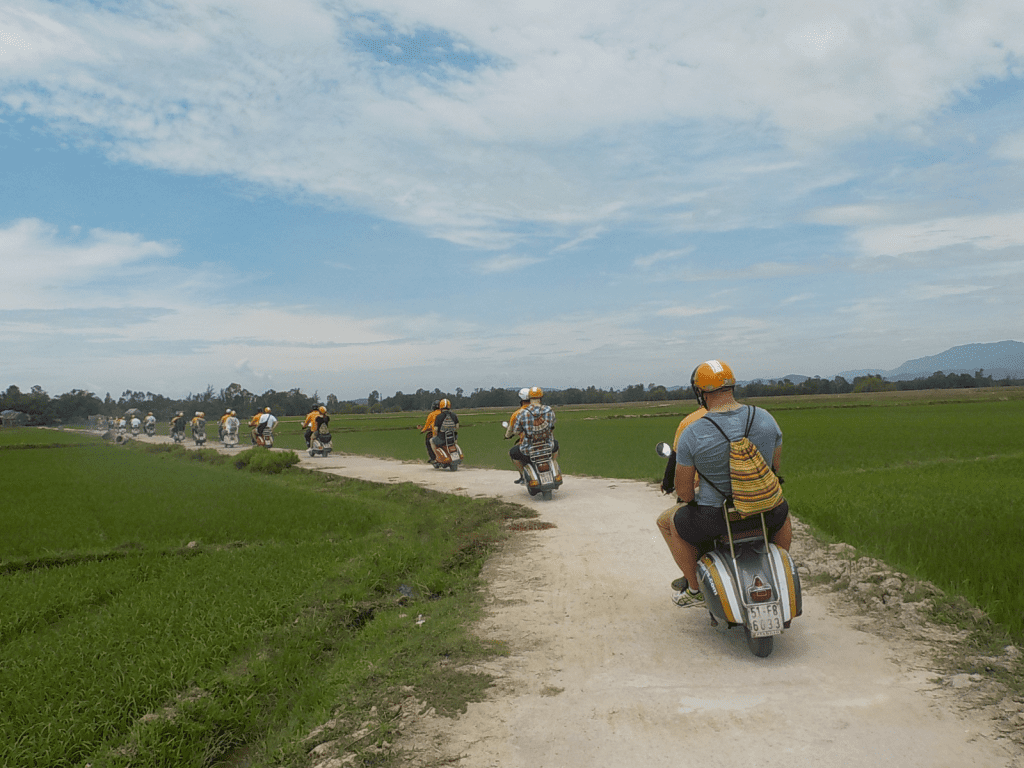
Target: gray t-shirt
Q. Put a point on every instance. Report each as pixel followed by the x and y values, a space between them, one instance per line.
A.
pixel 702 446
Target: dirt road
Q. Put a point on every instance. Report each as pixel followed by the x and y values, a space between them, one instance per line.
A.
pixel 605 671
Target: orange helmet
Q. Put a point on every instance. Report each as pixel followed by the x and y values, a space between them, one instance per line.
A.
pixel 445 404
pixel 267 409
pixel 536 393
pixel 711 376
pixel 322 409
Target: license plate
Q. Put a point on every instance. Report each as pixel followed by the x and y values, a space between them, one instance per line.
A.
pixel 547 478
pixel 765 619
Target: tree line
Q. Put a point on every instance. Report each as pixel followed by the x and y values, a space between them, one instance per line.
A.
pixel 77 405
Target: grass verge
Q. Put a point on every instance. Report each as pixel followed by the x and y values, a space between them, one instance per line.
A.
pixel 176 611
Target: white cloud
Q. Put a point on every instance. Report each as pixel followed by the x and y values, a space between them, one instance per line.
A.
pixel 570 114
pixel 847 215
pixel 39 262
pixel 585 236
pixel 799 298
pixel 1009 147
pixel 932 292
pixel 987 232
pixel 650 260
pixel 505 264
pixel 687 310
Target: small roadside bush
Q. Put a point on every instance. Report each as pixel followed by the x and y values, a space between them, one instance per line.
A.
pixel 266 462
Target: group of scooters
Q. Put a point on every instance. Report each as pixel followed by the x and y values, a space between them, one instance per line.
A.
pixel 541 474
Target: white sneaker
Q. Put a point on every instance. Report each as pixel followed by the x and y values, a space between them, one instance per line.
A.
pixel 685 598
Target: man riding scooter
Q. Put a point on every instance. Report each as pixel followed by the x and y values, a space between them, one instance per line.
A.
pixel 264 432
pixel 309 423
pixel 428 430
pixel 535 423
pixel 510 431
pixel 702 450
pixel 178 427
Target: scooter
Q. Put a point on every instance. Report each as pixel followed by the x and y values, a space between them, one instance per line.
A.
pixel 320 443
pixel 746 580
pixel 447 454
pixel 199 432
pixel 266 439
pixel 150 430
pixel 229 437
pixel 541 473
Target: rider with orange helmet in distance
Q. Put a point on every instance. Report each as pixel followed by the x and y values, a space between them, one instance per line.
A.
pixel 444 421
pixel 536 424
pixel 312 421
pixel 701 450
pixel 231 425
pixel 253 423
pixel 223 421
pixel 199 427
pixel 510 431
pixel 178 423
pixel 428 430
pixel 265 423
pixel 524 400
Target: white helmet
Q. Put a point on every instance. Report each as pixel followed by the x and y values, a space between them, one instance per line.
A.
pixel 524 393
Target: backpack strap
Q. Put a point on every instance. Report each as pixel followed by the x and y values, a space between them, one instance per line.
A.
pixel 750 420
pixel 727 441
pixel 715 424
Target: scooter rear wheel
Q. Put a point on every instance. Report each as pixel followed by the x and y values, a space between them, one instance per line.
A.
pixel 760 646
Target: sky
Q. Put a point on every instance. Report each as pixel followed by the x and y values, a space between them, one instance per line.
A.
pixel 392 195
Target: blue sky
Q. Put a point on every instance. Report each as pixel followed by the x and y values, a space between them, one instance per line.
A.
pixel 348 196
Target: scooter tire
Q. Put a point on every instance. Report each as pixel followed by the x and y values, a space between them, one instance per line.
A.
pixel 760 646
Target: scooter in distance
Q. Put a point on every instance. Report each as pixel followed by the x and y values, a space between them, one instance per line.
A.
pixel 746 580
pixel 150 429
pixel 199 432
pixel 320 443
pixel 447 454
pixel 541 473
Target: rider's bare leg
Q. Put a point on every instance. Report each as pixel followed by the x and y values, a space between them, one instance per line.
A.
pixel 784 536
pixel 683 552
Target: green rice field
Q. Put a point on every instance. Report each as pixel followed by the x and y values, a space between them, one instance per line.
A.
pixel 164 609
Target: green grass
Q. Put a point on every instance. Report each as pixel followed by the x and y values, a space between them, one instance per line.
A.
pixel 120 644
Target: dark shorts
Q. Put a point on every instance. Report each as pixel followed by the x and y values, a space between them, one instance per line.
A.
pixel 700 524
pixel 516 452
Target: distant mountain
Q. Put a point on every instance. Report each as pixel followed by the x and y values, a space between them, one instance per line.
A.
pixel 999 360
